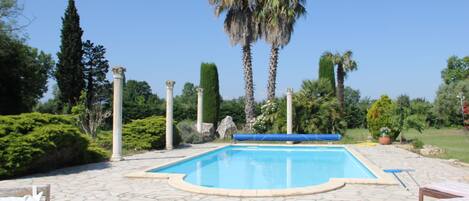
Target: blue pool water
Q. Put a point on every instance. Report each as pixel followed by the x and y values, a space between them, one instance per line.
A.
pixel 269 167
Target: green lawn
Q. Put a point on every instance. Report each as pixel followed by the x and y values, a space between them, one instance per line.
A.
pixel 454 141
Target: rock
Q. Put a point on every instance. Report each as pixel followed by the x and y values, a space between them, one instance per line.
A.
pixel 452 160
pixel 226 128
pixel 430 150
pixel 207 130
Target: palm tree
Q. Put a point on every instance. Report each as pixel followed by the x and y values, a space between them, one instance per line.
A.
pixel 277 19
pixel 242 28
pixel 345 64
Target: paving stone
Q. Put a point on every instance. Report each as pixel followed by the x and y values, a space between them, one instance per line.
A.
pixel 106 181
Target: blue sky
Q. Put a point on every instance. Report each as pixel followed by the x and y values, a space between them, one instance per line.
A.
pixel 401 46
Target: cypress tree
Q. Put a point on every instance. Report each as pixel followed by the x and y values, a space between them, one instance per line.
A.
pixel 69 70
pixel 326 70
pixel 209 82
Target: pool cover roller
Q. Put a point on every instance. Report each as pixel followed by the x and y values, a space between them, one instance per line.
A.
pixel 287 137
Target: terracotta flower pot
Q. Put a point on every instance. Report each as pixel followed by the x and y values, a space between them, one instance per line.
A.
pixel 384 140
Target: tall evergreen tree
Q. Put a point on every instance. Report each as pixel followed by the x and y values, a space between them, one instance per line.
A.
pixel 209 82
pixel 69 70
pixel 95 68
pixel 326 69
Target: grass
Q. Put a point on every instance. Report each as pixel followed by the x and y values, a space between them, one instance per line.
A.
pixel 454 141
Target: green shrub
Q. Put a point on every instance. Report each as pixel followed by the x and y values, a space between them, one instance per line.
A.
pixel 417 143
pixel 104 140
pixel 147 134
pixel 211 103
pixel 189 134
pixel 38 142
pixel 382 113
pixel 316 109
pixel 25 123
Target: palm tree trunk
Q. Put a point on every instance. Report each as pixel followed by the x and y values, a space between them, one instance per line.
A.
pixel 272 73
pixel 340 87
pixel 248 86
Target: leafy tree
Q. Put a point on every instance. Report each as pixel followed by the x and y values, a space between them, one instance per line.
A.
pixel 364 105
pixel 95 68
pixel 277 20
pixel 447 106
pixel 355 114
pixel 403 111
pixel 24 73
pixel 69 71
pixel 326 69
pixel 9 11
pixel 317 109
pixel 51 106
pixel 211 103
pixel 456 70
pixel 185 105
pixel 233 108
pixel 242 28
pixel 90 117
pixel 139 102
pixel 407 120
pixel 420 106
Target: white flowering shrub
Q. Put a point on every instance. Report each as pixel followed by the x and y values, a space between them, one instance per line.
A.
pixel 268 115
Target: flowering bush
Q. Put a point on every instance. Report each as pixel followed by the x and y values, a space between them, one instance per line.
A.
pixel 265 121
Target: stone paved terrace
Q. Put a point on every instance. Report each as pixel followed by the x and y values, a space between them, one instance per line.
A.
pixel 106 181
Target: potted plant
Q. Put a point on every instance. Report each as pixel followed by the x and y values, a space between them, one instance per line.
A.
pixel 384 137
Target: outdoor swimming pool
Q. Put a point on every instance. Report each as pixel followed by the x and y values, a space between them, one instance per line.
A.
pixel 269 167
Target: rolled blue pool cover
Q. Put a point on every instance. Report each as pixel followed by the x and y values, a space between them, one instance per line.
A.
pixel 287 137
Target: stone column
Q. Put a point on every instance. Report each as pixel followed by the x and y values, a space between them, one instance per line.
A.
pixel 289 113
pixel 200 99
pixel 118 74
pixel 169 114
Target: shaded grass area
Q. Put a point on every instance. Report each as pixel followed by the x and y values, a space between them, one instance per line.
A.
pixel 454 141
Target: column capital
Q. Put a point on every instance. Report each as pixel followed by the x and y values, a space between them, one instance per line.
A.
pixel 200 90
pixel 170 84
pixel 289 91
pixel 118 72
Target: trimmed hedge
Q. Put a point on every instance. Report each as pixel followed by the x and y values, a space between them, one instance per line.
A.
pixel 36 142
pixel 148 133
pixel 142 134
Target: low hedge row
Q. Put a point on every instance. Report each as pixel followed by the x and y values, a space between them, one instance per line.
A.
pixel 142 134
pixel 36 142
